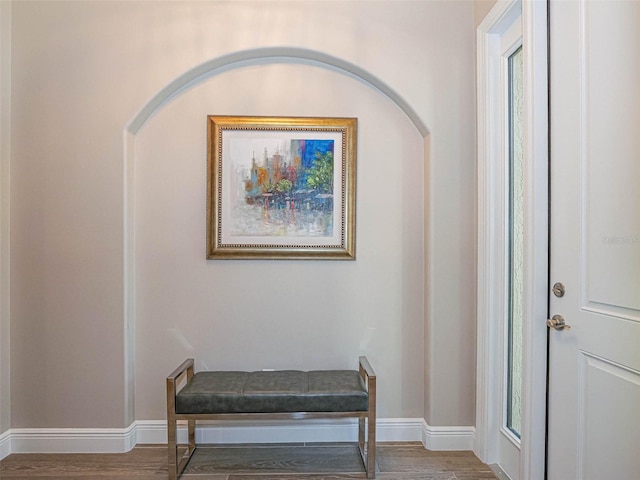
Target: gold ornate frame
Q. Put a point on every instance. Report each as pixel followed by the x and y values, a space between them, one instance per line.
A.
pixel 283 202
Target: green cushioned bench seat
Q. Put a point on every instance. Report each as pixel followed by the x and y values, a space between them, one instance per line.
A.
pixel 273 392
pixel 269 395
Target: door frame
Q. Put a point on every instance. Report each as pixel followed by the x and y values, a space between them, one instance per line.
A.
pixel 490 291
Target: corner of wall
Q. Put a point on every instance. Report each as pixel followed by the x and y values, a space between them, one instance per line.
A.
pixel 5 156
pixel 128 229
pixel 427 279
pixel 481 9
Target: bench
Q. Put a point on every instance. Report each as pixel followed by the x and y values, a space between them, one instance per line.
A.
pixel 270 395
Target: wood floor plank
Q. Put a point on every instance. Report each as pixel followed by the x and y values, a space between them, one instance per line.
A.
pixel 328 476
pixel 414 458
pixel 150 462
pixel 276 460
pixel 252 462
pixel 93 476
pixel 353 476
pixel 416 476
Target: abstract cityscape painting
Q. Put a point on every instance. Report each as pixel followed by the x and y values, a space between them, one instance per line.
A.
pixel 281 187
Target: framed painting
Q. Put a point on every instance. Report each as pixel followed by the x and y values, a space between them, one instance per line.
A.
pixel 281 187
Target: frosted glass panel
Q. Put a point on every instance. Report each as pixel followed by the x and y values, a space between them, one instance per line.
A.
pixel 516 243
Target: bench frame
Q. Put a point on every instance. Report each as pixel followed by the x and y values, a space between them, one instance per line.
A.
pixel 178 463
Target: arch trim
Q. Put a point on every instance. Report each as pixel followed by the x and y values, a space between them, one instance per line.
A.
pixel 249 57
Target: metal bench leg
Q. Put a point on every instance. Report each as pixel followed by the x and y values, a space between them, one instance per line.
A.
pixel 191 429
pixel 369 377
pixel 371 443
pixel 361 435
pixel 172 446
pixel 176 463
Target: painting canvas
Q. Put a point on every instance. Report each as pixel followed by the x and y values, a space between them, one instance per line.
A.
pixel 281 187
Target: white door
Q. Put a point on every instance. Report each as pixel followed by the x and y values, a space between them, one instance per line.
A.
pixel 594 367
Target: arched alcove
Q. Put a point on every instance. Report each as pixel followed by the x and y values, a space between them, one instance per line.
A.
pixel 259 61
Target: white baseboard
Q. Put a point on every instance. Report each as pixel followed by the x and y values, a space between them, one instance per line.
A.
pixel 448 438
pixel 296 431
pixel 71 440
pixel 5 444
pixel 116 440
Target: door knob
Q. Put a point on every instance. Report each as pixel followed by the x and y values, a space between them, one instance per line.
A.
pixel 557 323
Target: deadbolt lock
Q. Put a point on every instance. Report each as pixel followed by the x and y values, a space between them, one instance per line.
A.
pixel 558 290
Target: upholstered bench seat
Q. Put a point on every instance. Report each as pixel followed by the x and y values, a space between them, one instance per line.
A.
pixel 270 395
pixel 273 392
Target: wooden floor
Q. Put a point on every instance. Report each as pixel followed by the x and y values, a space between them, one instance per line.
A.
pixel 401 461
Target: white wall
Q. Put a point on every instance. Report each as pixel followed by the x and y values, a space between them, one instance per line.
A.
pixel 80 73
pixel 5 158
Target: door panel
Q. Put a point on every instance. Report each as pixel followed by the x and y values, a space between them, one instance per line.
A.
pixel 611 45
pixel 603 382
pixel 594 368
